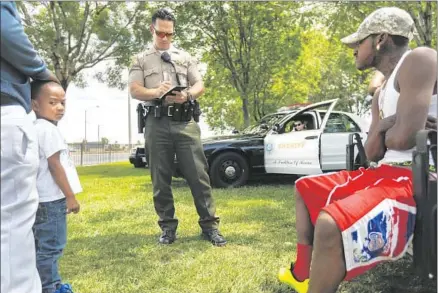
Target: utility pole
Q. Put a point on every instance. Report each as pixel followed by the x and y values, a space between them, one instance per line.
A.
pixel 85 124
pixel 129 120
pixel 85 137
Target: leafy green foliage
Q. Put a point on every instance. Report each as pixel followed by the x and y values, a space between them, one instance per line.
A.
pixel 73 36
pixel 259 56
pixel 244 45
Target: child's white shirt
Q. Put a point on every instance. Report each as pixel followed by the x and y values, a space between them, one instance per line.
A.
pixel 50 142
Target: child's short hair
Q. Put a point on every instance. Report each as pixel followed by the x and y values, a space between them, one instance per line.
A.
pixel 37 85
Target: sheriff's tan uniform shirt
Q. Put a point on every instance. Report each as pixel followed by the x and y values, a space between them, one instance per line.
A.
pixel 147 68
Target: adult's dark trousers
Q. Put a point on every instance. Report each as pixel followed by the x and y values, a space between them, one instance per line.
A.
pixel 165 138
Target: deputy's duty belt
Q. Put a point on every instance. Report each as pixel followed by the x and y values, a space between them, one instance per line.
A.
pixel 178 112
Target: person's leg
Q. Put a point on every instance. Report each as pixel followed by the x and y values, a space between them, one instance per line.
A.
pixel 50 237
pixel 328 253
pixel 312 195
pixel 305 230
pixel 19 201
pixel 354 234
pixel 194 166
pixel 161 160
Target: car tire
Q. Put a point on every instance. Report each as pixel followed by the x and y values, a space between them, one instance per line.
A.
pixel 229 170
pixel 138 164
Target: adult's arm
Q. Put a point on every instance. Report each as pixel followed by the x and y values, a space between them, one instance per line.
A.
pixel 416 80
pixel 374 145
pixel 16 48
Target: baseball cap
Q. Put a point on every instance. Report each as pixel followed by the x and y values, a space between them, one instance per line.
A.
pixel 390 20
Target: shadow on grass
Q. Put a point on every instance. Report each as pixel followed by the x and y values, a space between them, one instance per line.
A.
pixel 271 179
pixel 391 277
pixel 123 249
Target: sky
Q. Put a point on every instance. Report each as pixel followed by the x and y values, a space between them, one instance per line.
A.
pixel 107 113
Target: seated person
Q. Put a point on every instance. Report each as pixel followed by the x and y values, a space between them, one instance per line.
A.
pixel 350 221
pixel 299 125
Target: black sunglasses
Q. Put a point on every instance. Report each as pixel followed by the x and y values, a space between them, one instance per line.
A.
pixel 297 124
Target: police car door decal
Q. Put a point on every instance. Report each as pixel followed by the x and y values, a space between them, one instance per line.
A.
pixel 295 152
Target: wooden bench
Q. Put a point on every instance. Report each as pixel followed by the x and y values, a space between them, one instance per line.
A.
pixel 424 249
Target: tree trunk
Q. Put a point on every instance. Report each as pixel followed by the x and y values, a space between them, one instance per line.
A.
pixel 64 83
pixel 245 111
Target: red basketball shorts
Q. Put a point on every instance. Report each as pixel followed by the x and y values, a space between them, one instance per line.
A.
pixel 374 209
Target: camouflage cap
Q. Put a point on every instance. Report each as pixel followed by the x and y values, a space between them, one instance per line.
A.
pixel 390 20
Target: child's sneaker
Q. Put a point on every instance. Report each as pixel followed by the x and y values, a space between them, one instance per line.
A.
pixel 65 288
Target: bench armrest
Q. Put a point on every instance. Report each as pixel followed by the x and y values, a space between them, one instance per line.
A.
pixel 425 195
pixel 355 162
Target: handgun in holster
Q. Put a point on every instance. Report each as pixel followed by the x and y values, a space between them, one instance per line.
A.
pixel 142 112
pixel 196 111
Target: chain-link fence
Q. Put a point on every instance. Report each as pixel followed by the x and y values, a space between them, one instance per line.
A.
pixel 86 154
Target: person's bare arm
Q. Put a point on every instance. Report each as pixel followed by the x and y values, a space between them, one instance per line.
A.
pixel 139 92
pixel 58 174
pixel 197 89
pixel 416 79
pixel 374 145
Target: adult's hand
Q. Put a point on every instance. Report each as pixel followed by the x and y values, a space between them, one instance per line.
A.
pixel 164 87
pixel 386 123
pixel 178 97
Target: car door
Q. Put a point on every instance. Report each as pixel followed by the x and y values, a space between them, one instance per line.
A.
pixel 334 139
pixel 296 152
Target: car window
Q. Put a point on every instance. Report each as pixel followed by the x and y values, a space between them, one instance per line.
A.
pixel 339 122
pixel 306 118
pixel 264 124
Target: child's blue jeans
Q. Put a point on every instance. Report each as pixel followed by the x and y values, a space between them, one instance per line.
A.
pixel 50 230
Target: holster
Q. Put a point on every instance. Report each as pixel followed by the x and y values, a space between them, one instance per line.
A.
pixel 142 112
pixel 196 111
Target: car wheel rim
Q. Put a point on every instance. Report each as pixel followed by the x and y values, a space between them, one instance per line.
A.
pixel 230 171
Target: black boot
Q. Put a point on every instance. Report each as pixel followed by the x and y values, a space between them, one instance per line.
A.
pixel 167 237
pixel 214 236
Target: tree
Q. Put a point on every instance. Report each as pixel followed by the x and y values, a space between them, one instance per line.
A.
pixel 104 141
pixel 343 16
pixel 339 77
pixel 73 36
pixel 246 43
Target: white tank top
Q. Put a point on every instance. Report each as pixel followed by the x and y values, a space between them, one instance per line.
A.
pixel 388 99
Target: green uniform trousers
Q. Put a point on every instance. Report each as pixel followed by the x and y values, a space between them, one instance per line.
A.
pixel 165 138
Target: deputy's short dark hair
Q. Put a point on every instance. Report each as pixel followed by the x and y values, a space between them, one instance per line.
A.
pixel 37 85
pixel 163 14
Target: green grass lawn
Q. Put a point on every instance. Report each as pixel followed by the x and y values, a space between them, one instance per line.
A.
pixel 112 243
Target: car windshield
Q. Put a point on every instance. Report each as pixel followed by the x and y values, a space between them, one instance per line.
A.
pixel 264 124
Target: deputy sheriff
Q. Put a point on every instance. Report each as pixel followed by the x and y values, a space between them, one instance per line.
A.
pixel 170 128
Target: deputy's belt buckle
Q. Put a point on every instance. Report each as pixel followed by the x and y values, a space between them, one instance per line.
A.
pixel 168 111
